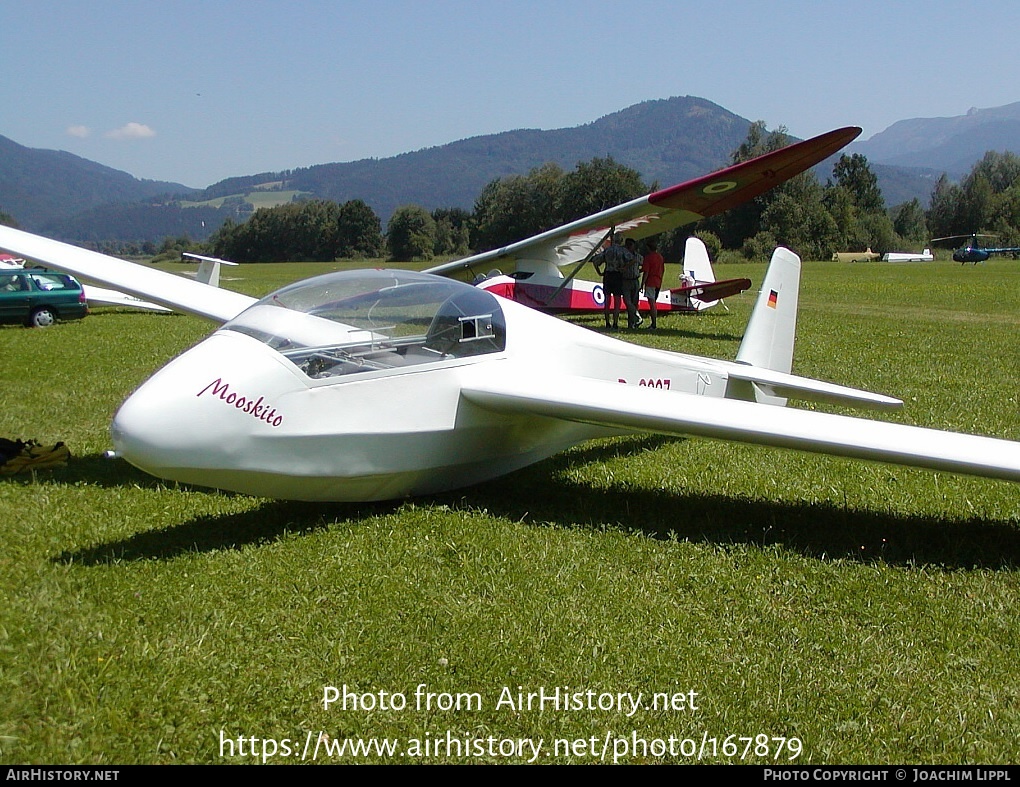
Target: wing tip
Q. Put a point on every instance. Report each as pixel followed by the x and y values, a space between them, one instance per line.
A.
pixel 814 150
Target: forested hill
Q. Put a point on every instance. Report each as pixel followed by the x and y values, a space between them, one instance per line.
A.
pixel 41 187
pixel 668 140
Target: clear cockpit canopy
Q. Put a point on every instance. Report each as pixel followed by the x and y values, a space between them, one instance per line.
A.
pixel 374 320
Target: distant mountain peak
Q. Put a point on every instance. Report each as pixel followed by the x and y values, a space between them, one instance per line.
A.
pixel 949 144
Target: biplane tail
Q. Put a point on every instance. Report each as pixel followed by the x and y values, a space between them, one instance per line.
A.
pixel 696 262
pixel 697 269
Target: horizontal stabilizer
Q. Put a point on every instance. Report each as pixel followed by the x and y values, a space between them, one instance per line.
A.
pixel 715 291
pixel 793 387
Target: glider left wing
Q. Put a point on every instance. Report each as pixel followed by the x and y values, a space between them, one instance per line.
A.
pixel 666 209
pixel 635 408
pixel 150 284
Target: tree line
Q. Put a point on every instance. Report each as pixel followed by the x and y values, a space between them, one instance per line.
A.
pixel 815 219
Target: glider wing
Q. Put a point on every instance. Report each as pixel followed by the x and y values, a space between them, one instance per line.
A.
pixel 634 408
pixel 148 284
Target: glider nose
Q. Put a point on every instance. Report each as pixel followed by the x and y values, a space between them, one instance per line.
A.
pixel 197 417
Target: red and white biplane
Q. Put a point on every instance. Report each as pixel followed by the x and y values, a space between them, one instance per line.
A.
pixel 538 281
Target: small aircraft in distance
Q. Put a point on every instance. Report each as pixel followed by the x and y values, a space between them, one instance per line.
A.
pixel 974 252
pixel 537 281
pixel 208 268
pixel 380 384
pixel 856 256
pixel 908 256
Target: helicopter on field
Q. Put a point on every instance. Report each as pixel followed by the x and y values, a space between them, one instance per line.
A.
pixel 974 252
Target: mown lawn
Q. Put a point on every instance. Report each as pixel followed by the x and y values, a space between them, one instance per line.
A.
pixel 868 611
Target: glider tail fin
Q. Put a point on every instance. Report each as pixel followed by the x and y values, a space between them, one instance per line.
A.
pixel 768 340
pixel 208 273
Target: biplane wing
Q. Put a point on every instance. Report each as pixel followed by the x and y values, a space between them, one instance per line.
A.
pixel 661 210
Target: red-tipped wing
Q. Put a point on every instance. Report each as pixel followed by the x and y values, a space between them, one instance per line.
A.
pixel 665 209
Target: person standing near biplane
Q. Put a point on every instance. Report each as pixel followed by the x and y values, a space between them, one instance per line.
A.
pixel 653 268
pixel 620 269
pixel 607 265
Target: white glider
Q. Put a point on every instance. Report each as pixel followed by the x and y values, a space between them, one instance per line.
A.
pixel 377 384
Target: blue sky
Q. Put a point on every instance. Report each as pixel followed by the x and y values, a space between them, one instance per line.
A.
pixel 197 91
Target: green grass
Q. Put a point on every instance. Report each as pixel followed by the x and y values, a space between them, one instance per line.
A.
pixel 260 199
pixel 868 610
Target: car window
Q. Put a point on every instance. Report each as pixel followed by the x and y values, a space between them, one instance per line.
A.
pixel 12 282
pixel 52 281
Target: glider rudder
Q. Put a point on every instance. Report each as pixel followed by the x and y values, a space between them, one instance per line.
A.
pixel 769 338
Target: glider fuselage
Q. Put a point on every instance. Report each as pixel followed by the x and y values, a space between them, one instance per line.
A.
pixel 388 419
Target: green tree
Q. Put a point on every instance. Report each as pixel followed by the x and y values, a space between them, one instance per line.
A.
pixel 854 175
pixel 594 186
pixel 516 207
pixel 908 221
pixel 854 200
pixel 944 213
pixel 519 206
pixel 986 200
pixel 1001 170
pixel 796 217
pixel 1004 216
pixel 358 231
pixel 411 234
pixel 452 231
pixel 760 141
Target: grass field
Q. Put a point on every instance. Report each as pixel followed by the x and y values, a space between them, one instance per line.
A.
pixel 866 611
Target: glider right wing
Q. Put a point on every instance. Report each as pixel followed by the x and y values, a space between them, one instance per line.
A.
pixel 149 284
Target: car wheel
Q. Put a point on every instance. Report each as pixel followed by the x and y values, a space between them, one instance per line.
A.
pixel 41 318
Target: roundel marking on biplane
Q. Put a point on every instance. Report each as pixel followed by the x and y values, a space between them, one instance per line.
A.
pixel 598 295
pixel 720 188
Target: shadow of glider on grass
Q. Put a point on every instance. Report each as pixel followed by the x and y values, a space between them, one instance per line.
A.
pixel 376 384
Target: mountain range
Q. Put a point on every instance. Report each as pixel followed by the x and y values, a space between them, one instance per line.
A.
pixel 667 141
pixel 949 144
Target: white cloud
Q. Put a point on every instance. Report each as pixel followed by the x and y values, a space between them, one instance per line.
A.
pixel 131 131
pixel 78 131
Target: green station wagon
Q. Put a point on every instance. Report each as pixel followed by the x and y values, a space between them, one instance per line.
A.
pixel 37 298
